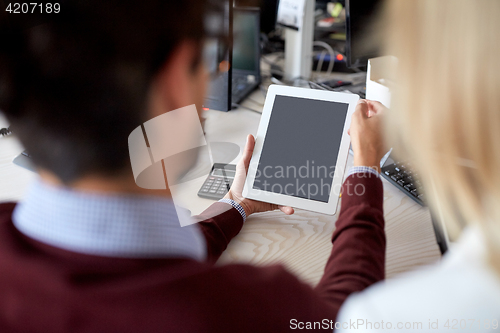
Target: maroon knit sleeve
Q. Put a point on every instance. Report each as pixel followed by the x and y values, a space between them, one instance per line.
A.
pixel 219 223
pixel 357 259
pixel 6 209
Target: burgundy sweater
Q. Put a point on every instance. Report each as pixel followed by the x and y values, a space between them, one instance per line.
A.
pixel 47 289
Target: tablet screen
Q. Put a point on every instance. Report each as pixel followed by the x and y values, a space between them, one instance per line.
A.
pixel 301 147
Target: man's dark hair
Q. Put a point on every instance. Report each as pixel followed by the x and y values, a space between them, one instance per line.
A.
pixel 75 86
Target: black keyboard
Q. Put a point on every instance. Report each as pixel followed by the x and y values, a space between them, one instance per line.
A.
pixel 406 179
pixel 402 176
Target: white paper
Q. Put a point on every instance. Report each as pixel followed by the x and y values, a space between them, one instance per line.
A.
pixel 291 13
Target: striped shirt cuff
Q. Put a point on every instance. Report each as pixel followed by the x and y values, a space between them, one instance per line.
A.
pixel 362 169
pixel 237 206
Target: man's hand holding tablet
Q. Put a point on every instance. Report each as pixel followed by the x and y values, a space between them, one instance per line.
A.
pixel 250 206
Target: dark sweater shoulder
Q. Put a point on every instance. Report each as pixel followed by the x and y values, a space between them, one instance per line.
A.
pixel 6 209
pixel 63 291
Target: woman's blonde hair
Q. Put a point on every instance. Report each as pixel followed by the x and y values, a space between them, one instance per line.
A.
pixel 445 113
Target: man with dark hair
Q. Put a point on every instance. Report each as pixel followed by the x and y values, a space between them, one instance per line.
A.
pixel 92 65
pixel 88 250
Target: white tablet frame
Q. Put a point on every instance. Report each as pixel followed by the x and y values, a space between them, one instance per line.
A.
pixel 329 207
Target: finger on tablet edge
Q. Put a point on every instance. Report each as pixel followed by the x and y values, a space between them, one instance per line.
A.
pixel 287 210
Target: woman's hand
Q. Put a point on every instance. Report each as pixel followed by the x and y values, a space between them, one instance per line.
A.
pixel 366 134
pixel 250 206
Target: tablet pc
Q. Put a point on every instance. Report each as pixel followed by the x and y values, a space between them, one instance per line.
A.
pixel 301 148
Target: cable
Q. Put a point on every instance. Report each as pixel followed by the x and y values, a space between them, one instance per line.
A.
pixel 245 107
pixel 330 51
pixel 321 60
pixel 279 56
pixel 254 101
pixel 5 131
pixel 274 71
pixel 276 81
pixel 314 85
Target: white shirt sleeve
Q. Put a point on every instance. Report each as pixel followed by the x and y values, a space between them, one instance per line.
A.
pixel 359 314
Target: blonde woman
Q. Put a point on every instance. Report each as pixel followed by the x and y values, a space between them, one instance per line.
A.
pixel 446 118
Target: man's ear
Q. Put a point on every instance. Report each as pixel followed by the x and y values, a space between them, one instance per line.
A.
pixel 172 87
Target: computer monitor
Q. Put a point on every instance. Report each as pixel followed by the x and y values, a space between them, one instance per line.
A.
pixel 246 42
pixel 360 15
pixel 246 52
pixel 218 53
pixel 268 12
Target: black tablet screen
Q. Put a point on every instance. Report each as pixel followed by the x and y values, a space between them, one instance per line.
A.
pixel 301 147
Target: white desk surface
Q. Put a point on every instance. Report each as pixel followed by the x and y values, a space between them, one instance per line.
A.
pixel 302 242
